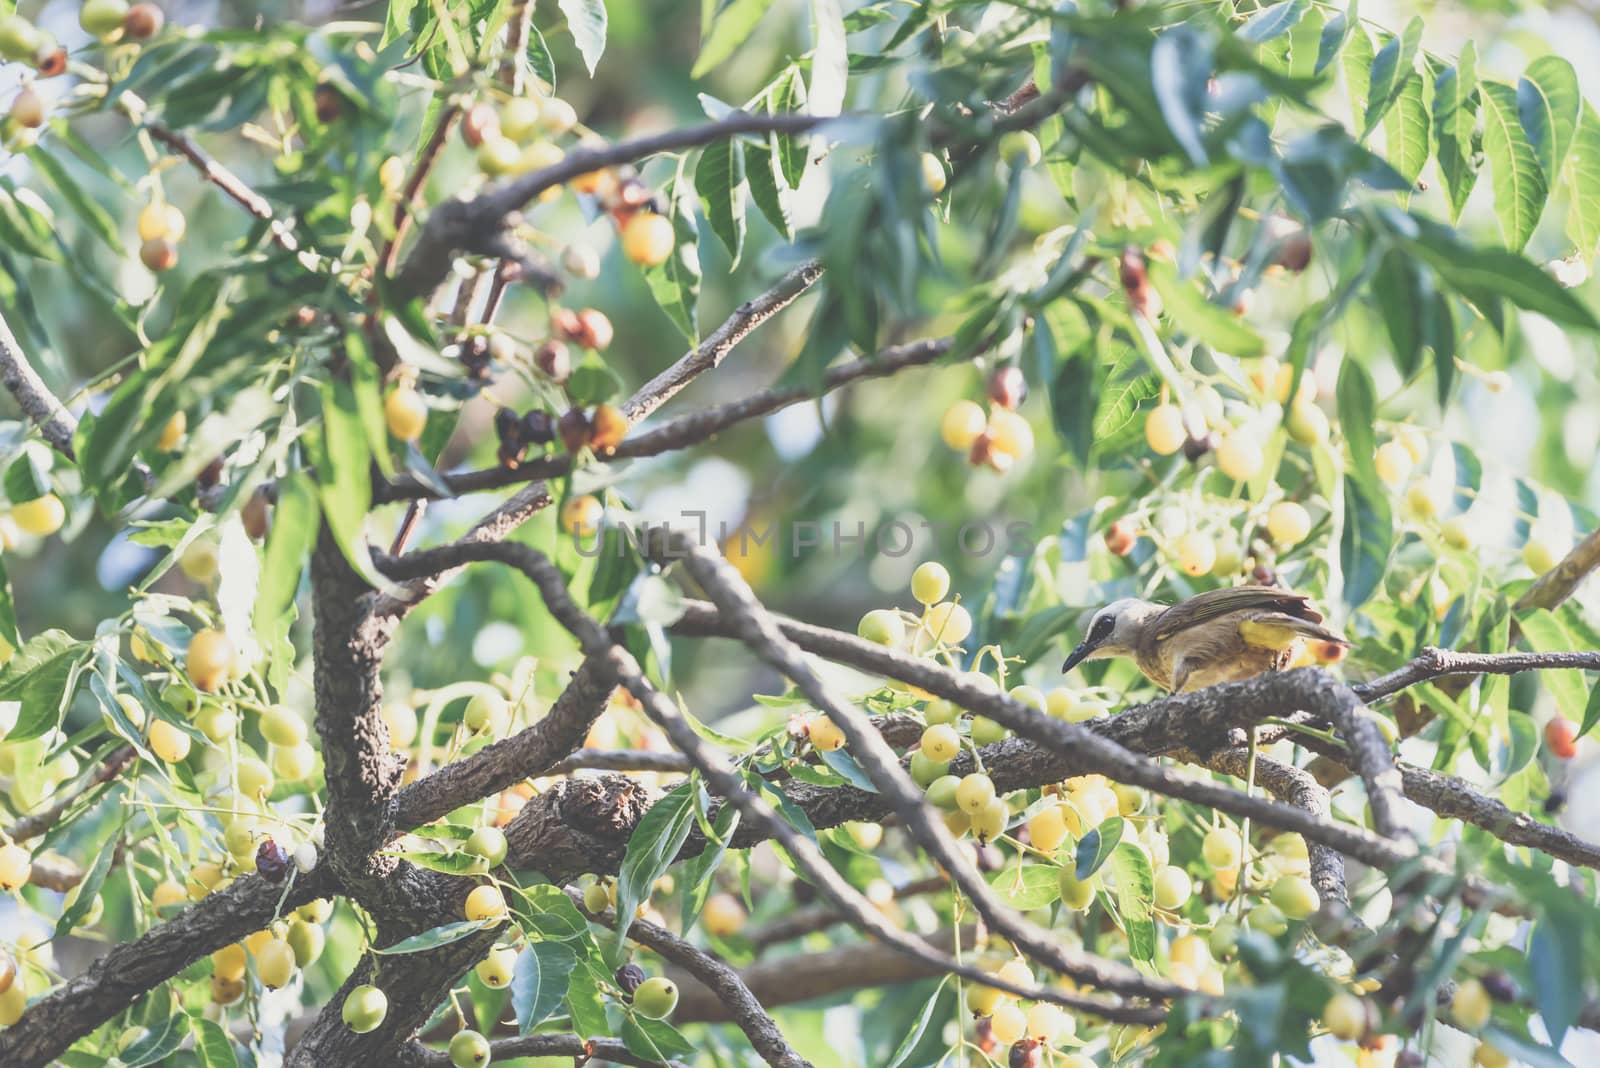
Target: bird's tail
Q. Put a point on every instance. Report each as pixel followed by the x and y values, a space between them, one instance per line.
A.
pixel 1280 631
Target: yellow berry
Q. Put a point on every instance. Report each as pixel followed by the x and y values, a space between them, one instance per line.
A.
pixel 1197 553
pixel 172 433
pixel 1222 848
pixel 1288 523
pixel 1284 379
pixel 824 734
pixel 1497 381
pixel 940 743
pixel 1540 555
pixel 882 626
pixel 401 719
pixel 990 823
pixel 975 793
pixel 210 659
pixel 282 726
pixel 1393 462
pixel 496 969
pixel 963 423
pixel 168 742
pixel 1009 433
pixel 1048 1023
pixel 1345 1017
pixel 254 778
pixel 1488 1055
pixel 1008 1024
pixel 41 517
pixel 498 156
pixel 16 865
pixel 406 413
pixel 1239 456
pixel 1295 897
pixel 934 178
pixel 948 623
pixel 519 118
pixel 930 582
pixel 1457 533
pixel 648 239
pixel 1307 424
pixel 275 964
pixel 1047 828
pixel 723 916
pixel 294 763
pixel 1173 887
pixel 161 222
pixel 167 896
pixel 229 962
pixel 1414 441
pixel 1421 500
pixel 1163 429
pixel 484 903
pixel 1471 1005
pixel 580 516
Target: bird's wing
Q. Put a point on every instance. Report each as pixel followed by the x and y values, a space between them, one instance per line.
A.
pixel 1204 607
pixel 1279 630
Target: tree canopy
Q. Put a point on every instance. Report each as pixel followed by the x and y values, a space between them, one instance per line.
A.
pixel 548 533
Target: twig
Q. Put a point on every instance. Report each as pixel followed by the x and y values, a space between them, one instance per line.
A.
pixel 622 760
pixel 1553 587
pixel 510 1050
pixel 710 353
pixel 39 822
pixel 719 978
pixel 410 198
pixel 55 423
pixel 806 921
pixel 225 180
pixel 685 430
pixel 1433 663
pixel 594 640
pixel 477 224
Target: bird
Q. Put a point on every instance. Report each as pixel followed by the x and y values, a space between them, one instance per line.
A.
pixel 1218 636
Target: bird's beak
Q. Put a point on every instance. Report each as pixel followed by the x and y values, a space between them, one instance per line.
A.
pixel 1077 656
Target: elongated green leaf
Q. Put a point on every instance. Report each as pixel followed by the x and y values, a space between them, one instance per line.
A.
pixel 1094 848
pixel 97 218
pixel 442 935
pixel 1274 21
pixel 1400 290
pixel 587 21
pixel 908 1045
pixel 88 891
pixel 294 531
pixel 344 474
pixel 1026 886
pixel 719 179
pixel 1135 899
pixel 1180 69
pixel 1556 959
pixel 539 982
pixel 1357 63
pixel 1367 539
pixel 38 675
pixel 656 1040
pixel 1548 103
pixel 730 28
pixel 1405 131
pixel 761 172
pixel 1335 32
pixel 787 97
pixel 1520 189
pixel 675 283
pixel 1583 184
pixel 1455 116
pixel 1546 634
pixel 1392 67
pixel 1211 323
pixel 1482 273
pixel 652 847
pixel 212 1045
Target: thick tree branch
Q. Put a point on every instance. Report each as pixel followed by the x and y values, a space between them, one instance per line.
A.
pixel 129 969
pixel 667 762
pixel 530 752
pixel 43 409
pixel 719 978
pixel 686 430
pixel 475 224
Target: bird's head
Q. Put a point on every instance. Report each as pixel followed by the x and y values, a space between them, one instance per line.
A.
pixel 1115 630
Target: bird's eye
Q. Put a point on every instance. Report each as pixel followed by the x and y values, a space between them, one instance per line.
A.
pixel 1101 628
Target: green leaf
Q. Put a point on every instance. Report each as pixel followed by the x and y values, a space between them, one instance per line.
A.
pixel 1483 273
pixel 546 911
pixel 587 1007
pixel 1026 886
pixel 1358 57
pixel 1180 70
pixel 1074 387
pixel 908 1045
pixel 788 97
pixel 1274 21
pixel 719 179
pixel 1366 541
pixel 1591 712
pixel 1520 189
pixel 211 1044
pixel 1401 288
pixel 450 863
pixel 652 847
pixel 675 283
pixel 830 58
pixel 1405 131
pixel 96 217
pixel 1358 412
pixel 442 935
pixel 1546 634
pixel 1548 104
pixel 294 532
pixel 1392 67
pixel 1583 182
pixel 539 982
pixel 697 875
pixel 730 28
pixel 1094 848
pixel 1335 32
pixel 1207 322
pixel 761 172
pixel 37 675
pixel 1557 961
pixel 654 1039
pixel 1455 116
pixel 1130 865
pixel 88 891
pixel 587 21
pixel 344 474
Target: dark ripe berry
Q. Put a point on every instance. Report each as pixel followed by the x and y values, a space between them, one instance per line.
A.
pixel 990 858
pixel 479 123
pixel 1295 253
pixel 1008 388
pixel 1263 575
pixel 1556 801
pixel 1026 1053
pixel 51 63
pixel 608 426
pixel 594 330
pixel 304 316
pixel 1196 447
pixel 574 429
pixel 1499 986
pixel 634 195
pixel 554 360
pixel 329 103
pixel 538 427
pixel 256 515
pixel 272 861
pixel 984 453
pixel 983 1034
pixel 210 474
pixel 508 427
pixel 628 978
pixel 1131 269
pixel 659 205
pixel 565 324
pixel 143 21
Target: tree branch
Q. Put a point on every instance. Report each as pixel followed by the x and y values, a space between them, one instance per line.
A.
pixel 1553 587
pixel 474 224
pixel 55 423
pixel 31 826
pixel 1433 663
pixel 509 1050
pixel 716 976
pixel 129 969
pixel 684 431
pixel 666 762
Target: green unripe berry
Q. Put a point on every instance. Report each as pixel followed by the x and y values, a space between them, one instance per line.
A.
pixel 468 1049
pixel 488 843
pixel 364 1009
pixel 881 626
pixel 656 998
